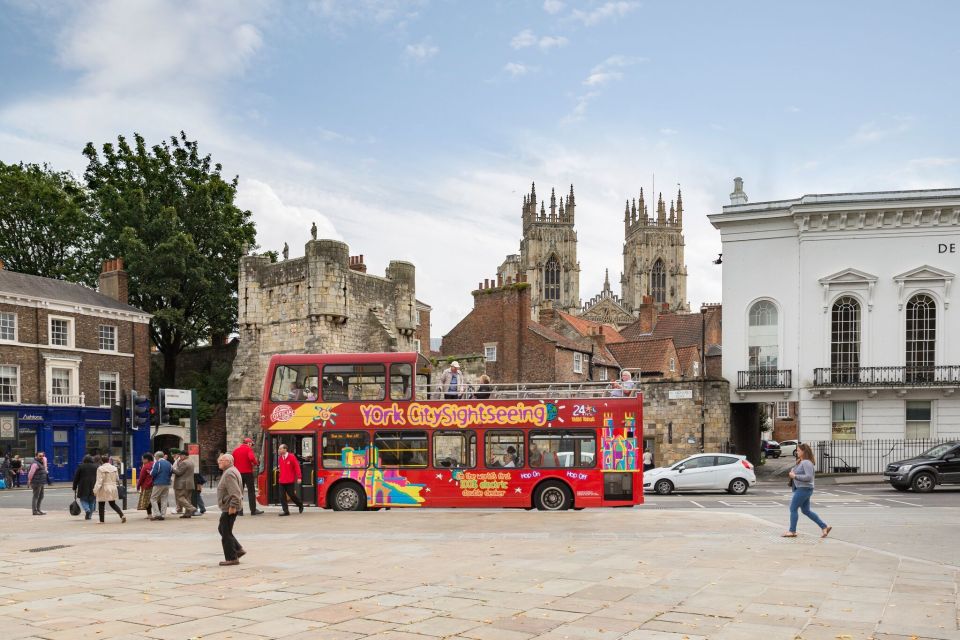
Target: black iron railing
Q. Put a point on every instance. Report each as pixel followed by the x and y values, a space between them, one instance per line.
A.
pixel 866 456
pixel 765 379
pixel 945 376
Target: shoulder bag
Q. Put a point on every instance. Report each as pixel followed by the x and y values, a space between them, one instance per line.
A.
pixel 74 506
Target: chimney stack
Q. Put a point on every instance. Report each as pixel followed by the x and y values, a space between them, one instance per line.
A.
pixel 357 264
pixel 738 196
pixel 114 280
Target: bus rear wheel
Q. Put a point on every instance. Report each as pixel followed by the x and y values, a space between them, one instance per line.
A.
pixel 348 497
pixel 552 496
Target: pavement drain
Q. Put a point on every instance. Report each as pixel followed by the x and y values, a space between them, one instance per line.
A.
pixel 56 546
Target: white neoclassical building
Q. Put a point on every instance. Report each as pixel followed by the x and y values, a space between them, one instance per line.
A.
pixel 842 303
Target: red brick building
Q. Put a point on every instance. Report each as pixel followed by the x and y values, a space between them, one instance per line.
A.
pixel 67 353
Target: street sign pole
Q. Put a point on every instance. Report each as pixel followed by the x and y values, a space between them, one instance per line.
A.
pixel 123 456
pixel 193 415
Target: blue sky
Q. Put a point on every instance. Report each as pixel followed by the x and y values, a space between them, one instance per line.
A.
pixel 412 129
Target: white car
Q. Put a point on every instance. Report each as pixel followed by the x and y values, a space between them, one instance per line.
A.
pixel 703 472
pixel 789 447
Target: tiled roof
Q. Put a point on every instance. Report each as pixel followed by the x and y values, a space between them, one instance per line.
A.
pixel 589 327
pixel 35 287
pixel 647 355
pixel 561 340
pixel 684 328
pixel 687 356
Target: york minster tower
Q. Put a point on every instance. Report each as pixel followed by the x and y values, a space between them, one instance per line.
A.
pixel 653 256
pixel 548 253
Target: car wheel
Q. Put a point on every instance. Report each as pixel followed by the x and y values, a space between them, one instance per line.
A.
pixel 900 487
pixel 553 496
pixel 738 486
pixel 348 496
pixel 923 482
pixel 776 454
pixel 663 487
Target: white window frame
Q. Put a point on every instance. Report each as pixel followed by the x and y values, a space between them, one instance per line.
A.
pixel 604 375
pixel 16 393
pixel 490 351
pixel 696 368
pixel 13 314
pixel 116 345
pixel 73 366
pixel 577 362
pixel 115 375
pixel 416 346
pixel 673 365
pixel 71 331
pixel 783 409
pixel 930 423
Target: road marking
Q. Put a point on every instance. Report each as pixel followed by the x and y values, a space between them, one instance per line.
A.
pixel 698 504
pixel 902 502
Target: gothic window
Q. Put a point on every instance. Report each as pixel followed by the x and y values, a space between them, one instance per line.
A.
pixel 763 345
pixel 921 338
pixel 551 279
pixel 658 282
pixel 845 340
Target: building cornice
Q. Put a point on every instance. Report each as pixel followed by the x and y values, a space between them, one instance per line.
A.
pixel 75 308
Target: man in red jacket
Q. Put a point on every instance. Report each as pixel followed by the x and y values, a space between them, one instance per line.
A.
pixel 289 473
pixel 245 460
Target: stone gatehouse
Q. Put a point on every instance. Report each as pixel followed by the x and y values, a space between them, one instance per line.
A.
pixel 324 302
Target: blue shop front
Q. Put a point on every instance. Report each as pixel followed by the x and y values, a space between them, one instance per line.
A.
pixel 66 434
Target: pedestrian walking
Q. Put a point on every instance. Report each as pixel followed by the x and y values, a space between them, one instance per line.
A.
pixel 84 480
pixel 162 473
pixel 245 461
pixel 6 473
pixel 37 479
pixel 198 481
pixel 145 485
pixel 801 478
pixel 183 484
pixel 229 499
pixel 15 466
pixel 289 478
pixel 106 488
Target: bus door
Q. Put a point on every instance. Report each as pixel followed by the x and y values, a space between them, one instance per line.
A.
pixel 303 446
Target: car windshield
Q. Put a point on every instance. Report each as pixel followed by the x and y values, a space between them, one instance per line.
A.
pixel 938 450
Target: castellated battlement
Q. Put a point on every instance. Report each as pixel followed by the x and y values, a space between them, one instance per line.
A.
pixel 635 216
pixel 324 302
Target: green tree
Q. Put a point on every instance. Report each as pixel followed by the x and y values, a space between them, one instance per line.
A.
pixel 46 225
pixel 170 214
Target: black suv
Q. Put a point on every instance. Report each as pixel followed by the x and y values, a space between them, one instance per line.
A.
pixel 939 465
pixel 770 448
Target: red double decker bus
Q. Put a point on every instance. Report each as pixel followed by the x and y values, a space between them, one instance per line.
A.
pixel 371 432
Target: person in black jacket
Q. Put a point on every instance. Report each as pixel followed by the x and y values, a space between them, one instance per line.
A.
pixel 83 481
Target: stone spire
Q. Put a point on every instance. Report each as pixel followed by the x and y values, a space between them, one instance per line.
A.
pixel 606 281
pixel 571 204
pixel 679 208
pixel 553 204
pixel 661 211
pixel 673 213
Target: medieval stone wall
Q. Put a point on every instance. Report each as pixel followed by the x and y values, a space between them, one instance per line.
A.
pixel 671 423
pixel 314 304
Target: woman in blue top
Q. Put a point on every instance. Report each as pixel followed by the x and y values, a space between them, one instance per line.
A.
pixel 802 480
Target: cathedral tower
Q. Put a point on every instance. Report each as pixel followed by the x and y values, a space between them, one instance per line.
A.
pixel 548 252
pixel 653 255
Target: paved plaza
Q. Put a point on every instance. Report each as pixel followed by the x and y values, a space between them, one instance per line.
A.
pixel 499 575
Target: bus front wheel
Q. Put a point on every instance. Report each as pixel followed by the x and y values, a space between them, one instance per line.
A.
pixel 348 497
pixel 552 496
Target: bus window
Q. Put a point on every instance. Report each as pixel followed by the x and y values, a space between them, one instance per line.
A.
pixel 354 382
pixel 345 450
pixel 454 449
pixel 504 448
pixel 294 383
pixel 563 448
pixel 404 449
pixel 400 388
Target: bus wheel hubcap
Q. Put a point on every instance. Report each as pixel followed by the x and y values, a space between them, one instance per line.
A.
pixel 553 498
pixel 347 499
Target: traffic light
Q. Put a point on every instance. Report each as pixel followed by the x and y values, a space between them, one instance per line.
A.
pixel 164 415
pixel 139 410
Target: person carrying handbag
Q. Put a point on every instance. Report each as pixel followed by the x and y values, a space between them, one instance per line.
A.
pixel 106 488
pixel 801 478
pixel 84 479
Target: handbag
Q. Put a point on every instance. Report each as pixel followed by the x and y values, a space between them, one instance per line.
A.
pixel 74 506
pixel 790 483
pixel 121 492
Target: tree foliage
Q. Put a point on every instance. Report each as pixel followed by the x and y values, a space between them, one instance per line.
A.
pixel 46 225
pixel 170 214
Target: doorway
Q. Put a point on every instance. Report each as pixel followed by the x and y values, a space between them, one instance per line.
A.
pixel 303 446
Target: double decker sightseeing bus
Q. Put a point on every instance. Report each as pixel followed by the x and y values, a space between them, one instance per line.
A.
pixel 371 432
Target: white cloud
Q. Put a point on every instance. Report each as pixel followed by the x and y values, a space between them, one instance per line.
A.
pixel 552 6
pixel 875 131
pixel 933 162
pixel 602 74
pixel 260 198
pixel 422 51
pixel 605 12
pixel 527 38
pixel 669 132
pixel 517 69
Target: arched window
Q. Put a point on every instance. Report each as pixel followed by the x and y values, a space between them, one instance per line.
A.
pixel 551 279
pixel 763 344
pixel 845 340
pixel 658 282
pixel 921 338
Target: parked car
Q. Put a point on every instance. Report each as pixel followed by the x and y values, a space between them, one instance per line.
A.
pixel 789 447
pixel 703 472
pixel 770 448
pixel 939 465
